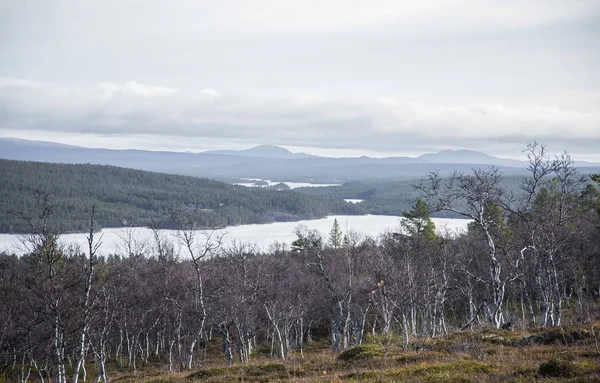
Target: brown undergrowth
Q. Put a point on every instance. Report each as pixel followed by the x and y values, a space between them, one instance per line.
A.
pixel 546 355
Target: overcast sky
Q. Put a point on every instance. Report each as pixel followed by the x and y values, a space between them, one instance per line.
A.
pixel 333 77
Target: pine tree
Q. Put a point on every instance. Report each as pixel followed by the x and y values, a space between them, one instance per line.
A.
pixel 417 221
pixel 336 236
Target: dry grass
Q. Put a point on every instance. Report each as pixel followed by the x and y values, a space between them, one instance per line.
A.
pixel 549 355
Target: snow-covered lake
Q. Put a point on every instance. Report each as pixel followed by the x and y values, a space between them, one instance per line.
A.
pixel 113 240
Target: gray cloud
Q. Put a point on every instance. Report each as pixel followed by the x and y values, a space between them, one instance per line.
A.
pixel 384 124
pixel 388 76
pixel 432 51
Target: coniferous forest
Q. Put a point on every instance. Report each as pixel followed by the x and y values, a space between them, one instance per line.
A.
pixel 126 197
pixel 525 275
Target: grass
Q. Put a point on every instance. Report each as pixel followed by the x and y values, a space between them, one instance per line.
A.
pixel 546 355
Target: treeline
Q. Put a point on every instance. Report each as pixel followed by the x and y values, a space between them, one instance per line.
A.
pixel 391 197
pixel 125 197
pixel 524 262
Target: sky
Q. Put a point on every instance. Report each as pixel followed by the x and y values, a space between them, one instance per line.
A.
pixel 335 77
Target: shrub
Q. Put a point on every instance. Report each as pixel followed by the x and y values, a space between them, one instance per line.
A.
pixel 558 336
pixel 557 368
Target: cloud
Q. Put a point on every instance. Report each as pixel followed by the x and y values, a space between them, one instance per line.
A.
pixel 379 124
pixel 134 88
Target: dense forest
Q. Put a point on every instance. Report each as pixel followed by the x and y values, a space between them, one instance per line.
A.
pixel 525 262
pixel 125 197
pixel 392 197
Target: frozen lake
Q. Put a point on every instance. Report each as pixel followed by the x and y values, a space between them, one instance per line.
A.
pixel 291 185
pixel 262 236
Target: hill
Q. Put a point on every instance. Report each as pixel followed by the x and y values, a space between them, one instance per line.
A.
pixel 265 162
pixel 470 157
pixel 126 197
pixel 265 151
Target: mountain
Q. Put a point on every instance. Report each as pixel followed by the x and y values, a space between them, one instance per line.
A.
pixel 264 151
pixel 469 157
pixel 18 142
pixel 264 162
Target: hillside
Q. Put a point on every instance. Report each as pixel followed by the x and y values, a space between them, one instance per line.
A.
pixel 391 197
pixel 126 197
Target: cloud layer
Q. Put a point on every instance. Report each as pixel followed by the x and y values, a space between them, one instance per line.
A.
pixel 361 76
pixel 386 125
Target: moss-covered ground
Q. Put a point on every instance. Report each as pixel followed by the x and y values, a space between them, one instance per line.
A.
pixel 545 355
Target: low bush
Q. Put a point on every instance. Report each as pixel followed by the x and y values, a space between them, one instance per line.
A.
pixel 557 368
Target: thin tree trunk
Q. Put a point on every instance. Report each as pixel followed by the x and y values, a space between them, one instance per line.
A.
pixel 226 344
pixel 25 374
pixel 191 355
pixel 59 350
pixel 336 322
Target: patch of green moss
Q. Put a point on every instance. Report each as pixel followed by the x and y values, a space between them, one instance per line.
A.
pixel 458 371
pixel 362 352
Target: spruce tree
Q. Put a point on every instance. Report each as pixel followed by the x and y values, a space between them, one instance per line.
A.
pixel 417 221
pixel 336 236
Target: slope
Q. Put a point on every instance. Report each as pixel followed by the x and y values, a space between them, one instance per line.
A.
pixel 125 197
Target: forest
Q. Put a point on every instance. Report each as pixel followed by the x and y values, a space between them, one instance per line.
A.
pixel 127 197
pixel 530 261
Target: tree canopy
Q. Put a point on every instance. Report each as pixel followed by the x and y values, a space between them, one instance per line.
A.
pixel 127 197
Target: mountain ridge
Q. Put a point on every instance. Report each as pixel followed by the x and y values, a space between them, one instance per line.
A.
pixel 264 151
pixel 467 156
pixel 265 162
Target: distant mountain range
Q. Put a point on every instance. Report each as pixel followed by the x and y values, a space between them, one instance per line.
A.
pixel 265 162
pixel 469 157
pixel 265 151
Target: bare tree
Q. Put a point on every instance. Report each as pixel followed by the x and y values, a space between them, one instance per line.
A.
pixel 549 204
pixel 49 278
pixel 199 245
pixel 337 301
pixel 87 304
pixel 478 196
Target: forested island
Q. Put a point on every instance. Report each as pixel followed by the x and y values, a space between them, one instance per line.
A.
pixel 515 298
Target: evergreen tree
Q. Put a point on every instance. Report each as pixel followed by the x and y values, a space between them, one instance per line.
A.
pixel 417 221
pixel 307 239
pixel 592 193
pixel 336 236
